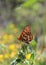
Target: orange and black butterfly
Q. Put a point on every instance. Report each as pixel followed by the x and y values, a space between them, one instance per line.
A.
pixel 26 35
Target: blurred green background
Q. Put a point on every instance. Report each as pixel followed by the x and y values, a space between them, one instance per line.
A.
pixel 14 16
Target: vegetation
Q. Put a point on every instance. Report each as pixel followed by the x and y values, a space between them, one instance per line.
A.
pixel 16 14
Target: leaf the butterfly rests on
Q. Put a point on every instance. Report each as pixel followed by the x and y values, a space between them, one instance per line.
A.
pixel 26 35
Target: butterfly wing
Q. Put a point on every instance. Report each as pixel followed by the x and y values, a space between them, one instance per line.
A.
pixel 26 35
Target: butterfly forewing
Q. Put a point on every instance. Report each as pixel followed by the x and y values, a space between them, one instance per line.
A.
pixel 26 35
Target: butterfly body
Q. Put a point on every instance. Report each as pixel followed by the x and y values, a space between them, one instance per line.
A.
pixel 26 35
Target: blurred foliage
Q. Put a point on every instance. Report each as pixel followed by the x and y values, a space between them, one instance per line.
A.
pixel 13 51
pixel 32 13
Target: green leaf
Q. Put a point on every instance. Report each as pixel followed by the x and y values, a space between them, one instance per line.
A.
pixel 33 44
pixel 32 56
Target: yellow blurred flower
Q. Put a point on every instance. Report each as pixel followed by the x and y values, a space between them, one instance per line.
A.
pixel 2 42
pixel 1 57
pixel 11 37
pixel 6 55
pixel 15 30
pixel 28 56
pixel 12 54
pixel 12 26
pixel 5 38
pixel 5 41
pixel 11 47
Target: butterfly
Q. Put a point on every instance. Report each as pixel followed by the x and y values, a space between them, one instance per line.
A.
pixel 26 35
